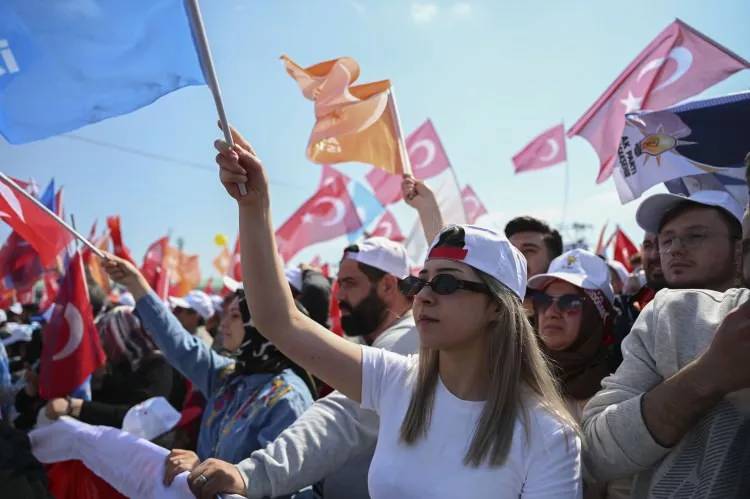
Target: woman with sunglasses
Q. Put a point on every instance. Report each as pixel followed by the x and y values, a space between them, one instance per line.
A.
pixel 573 305
pixel 477 413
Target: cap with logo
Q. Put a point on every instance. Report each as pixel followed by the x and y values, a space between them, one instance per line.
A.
pixel 580 268
pixel 484 250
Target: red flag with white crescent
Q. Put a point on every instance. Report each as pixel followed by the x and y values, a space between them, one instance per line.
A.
pixel 388 227
pixel 71 349
pixel 473 207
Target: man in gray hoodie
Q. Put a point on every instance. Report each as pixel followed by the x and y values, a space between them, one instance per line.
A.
pixel 334 440
pixel 676 413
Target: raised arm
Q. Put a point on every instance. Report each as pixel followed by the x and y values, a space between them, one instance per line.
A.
pixel 335 360
pixel 421 198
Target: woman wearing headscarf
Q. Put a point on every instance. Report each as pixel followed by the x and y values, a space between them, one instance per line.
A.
pixel 135 371
pixel 575 314
pixel 253 392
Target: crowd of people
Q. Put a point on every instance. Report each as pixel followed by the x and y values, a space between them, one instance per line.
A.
pixel 505 367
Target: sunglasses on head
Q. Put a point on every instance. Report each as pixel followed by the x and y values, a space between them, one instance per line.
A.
pixel 565 303
pixel 442 284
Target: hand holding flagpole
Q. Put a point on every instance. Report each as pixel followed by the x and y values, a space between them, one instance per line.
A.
pixel 49 212
pixel 207 63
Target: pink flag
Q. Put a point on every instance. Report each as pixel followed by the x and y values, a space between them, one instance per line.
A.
pixel 330 174
pixel 427 157
pixel 329 213
pixel 546 150
pixel 677 64
pixel 388 227
pixel 472 205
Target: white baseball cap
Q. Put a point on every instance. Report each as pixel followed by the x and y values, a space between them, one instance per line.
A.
pixel 150 418
pixel 580 268
pixel 381 253
pixel 652 210
pixel 484 250
pixel 195 300
pixel 294 277
pixel 622 271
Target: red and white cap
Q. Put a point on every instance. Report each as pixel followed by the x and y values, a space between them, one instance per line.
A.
pixel 484 250
pixel 381 253
pixel 652 210
pixel 580 268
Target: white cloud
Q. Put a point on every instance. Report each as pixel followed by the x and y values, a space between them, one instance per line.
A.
pixel 423 13
pixel 462 9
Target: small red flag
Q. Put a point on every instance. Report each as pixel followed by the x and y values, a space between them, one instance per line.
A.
pixel 545 150
pixel 624 249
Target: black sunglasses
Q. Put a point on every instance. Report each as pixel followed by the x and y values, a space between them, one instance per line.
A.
pixel 565 303
pixel 442 284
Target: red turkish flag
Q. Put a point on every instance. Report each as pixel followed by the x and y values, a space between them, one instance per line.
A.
pixel 33 224
pixel 51 288
pixel 428 159
pixel 235 265
pixel 70 349
pixel 329 174
pixel 19 263
pixel 154 266
pixel 329 213
pixel 624 249
pixel 117 243
pixel 388 227
pixel 545 150
pixel 679 63
pixel 473 207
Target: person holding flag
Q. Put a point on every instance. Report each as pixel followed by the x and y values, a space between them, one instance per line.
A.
pixel 480 377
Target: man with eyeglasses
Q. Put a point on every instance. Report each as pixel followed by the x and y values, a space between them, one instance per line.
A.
pixel 676 413
pixel 698 238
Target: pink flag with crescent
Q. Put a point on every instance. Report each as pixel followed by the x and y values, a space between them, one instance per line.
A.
pixel 70 349
pixel 388 227
pixel 427 157
pixel 677 64
pixel 473 207
pixel 545 150
pixel 330 174
pixel 329 213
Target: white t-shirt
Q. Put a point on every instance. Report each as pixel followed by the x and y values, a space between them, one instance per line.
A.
pixel 546 466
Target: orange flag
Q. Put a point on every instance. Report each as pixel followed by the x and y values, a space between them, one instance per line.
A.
pixel 183 270
pixel 223 261
pixel 352 123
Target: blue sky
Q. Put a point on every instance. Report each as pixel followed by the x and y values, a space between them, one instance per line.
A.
pixel 491 75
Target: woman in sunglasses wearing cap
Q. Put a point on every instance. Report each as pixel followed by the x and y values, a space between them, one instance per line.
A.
pixel 253 392
pixel 477 413
pixel 573 305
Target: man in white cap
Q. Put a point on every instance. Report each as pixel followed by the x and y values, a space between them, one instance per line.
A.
pixel 334 440
pixel 698 237
pixel 193 310
pixel 677 411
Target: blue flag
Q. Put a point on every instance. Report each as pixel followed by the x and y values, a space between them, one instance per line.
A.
pixel 68 63
pixel 368 208
pixel 48 197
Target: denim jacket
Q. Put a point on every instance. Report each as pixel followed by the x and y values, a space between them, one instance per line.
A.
pixel 243 412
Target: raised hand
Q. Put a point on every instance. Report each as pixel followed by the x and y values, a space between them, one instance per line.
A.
pixel 239 164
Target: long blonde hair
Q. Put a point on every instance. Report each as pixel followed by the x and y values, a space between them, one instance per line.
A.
pixel 515 359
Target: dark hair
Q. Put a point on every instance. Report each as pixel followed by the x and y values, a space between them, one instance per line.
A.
pixel 733 225
pixel 551 237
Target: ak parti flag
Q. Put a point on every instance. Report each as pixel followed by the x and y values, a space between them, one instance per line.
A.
pixel 33 224
pixel 427 157
pixel 547 149
pixel 352 122
pixel 388 227
pixel 329 213
pixel 473 207
pixel 624 249
pixel 679 63
pixel 71 350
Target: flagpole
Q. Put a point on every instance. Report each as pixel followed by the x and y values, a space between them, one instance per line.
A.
pixel 207 63
pixel 49 212
pixel 405 161
pixel 567 191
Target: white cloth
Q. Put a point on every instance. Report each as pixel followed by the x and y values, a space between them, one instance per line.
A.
pixel 133 466
pixel 545 465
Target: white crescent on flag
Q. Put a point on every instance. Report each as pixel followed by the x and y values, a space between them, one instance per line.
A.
pixel 681 55
pixel 337 205
pixel 429 147
pixel 554 149
pixel 75 327
pixel 10 198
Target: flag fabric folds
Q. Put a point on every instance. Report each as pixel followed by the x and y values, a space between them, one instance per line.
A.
pixel 547 149
pixel 66 64
pixel 352 122
pixel 679 63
